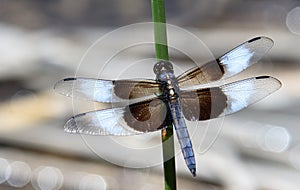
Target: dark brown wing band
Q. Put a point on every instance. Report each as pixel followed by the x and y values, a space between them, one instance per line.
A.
pixel 203 104
pixel 131 89
pixel 149 115
pixel 211 71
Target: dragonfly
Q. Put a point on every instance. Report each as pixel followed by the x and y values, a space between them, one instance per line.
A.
pixel 152 104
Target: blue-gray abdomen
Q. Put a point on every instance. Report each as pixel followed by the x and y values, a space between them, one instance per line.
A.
pixel 183 135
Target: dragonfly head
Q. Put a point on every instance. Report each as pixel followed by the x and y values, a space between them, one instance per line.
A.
pixel 162 67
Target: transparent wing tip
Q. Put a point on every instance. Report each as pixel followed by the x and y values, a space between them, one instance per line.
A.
pixel 273 83
pixel 262 38
pixel 70 126
pixel 63 86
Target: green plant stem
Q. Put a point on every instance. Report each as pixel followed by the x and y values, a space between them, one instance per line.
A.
pixel 161 50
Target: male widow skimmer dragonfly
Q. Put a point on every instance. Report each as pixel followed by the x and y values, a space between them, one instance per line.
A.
pixel 153 104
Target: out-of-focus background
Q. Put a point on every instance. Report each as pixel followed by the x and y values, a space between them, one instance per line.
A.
pixel 44 41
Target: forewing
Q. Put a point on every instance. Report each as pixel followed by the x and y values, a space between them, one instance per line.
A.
pixel 107 90
pixel 138 118
pixel 208 103
pixel 230 64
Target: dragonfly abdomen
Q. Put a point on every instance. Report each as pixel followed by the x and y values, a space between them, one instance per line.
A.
pixel 186 148
pixel 183 136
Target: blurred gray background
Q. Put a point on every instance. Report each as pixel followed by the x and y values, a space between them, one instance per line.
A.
pixel 42 42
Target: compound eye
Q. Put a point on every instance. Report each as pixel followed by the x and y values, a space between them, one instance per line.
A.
pixel 156 67
pixel 168 65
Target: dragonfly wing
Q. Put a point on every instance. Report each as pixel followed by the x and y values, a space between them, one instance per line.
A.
pixel 230 64
pixel 142 117
pixel 107 90
pixel 208 103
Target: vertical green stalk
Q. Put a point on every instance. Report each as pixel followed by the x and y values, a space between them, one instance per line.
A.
pixel 161 50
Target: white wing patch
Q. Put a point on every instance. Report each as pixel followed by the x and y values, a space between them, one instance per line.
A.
pixel 100 90
pixel 102 122
pixel 87 89
pixel 236 60
pixel 243 93
pixel 238 95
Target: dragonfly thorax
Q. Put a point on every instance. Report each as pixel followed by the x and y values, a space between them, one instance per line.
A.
pixel 165 74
